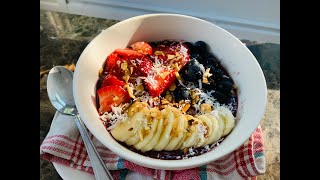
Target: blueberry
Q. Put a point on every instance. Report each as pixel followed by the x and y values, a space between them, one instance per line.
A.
pixel 217 74
pixel 212 68
pixel 211 61
pixel 153 44
pixel 190 47
pixel 181 93
pixel 225 86
pixel 208 55
pixel 210 86
pixel 201 46
pixel 166 42
pixel 196 56
pixel 220 97
pixel 192 71
pixel 226 78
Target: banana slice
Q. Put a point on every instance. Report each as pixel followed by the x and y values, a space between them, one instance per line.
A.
pixel 214 129
pixel 133 139
pixel 184 137
pixel 177 130
pixel 125 129
pixel 193 133
pixel 208 123
pixel 155 138
pixel 202 133
pixel 165 135
pixel 226 115
pixel 169 129
pixel 147 137
pixel 136 107
pixel 122 131
pixel 218 133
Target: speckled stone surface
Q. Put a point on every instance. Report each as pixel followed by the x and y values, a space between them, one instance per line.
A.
pixel 63 37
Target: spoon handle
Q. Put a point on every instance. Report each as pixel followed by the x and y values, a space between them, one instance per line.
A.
pixel 100 170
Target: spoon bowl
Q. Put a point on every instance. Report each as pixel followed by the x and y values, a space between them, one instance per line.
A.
pixel 60 92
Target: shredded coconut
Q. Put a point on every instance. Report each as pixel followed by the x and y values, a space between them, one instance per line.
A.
pixel 200 84
pixel 202 68
pixel 204 98
pixel 156 69
pixel 201 131
pixel 191 152
pixel 207 147
pixel 115 116
pixel 145 97
pixel 183 50
pixel 150 79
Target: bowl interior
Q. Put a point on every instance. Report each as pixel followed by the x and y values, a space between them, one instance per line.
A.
pixel 235 57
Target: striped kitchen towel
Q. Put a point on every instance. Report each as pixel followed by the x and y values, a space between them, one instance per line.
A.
pixel 63 144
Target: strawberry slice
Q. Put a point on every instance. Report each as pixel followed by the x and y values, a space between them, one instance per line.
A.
pixel 112 80
pixel 144 64
pixel 112 95
pixel 172 50
pixel 113 64
pixel 128 52
pixel 159 83
pixel 115 69
pixel 142 47
pixel 111 61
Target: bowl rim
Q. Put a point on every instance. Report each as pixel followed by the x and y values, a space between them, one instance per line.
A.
pixel 181 163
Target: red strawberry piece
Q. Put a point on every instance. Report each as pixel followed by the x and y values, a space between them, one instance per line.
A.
pixel 142 47
pixel 115 70
pixel 112 80
pixel 158 84
pixel 113 64
pixel 143 64
pixel 128 52
pixel 168 80
pixel 172 49
pixel 112 95
pixel 111 61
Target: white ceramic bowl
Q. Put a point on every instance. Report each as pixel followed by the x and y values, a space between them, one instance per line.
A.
pixel 234 56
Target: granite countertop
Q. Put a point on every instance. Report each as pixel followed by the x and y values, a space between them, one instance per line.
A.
pixel 63 37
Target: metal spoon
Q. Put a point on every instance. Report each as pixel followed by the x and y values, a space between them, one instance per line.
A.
pixel 60 92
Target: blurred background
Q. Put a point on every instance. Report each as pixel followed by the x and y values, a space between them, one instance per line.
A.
pixel 247 19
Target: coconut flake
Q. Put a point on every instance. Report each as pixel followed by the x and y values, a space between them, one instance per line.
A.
pixel 183 50
pixel 200 84
pixel 201 131
pixel 115 116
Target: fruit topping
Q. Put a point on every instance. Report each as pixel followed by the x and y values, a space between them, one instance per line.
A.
pixel 113 95
pixel 112 80
pixel 157 83
pixel 181 93
pixel 127 52
pixel 142 47
pixel 144 64
pixel 170 54
pixel 192 71
pixel 183 100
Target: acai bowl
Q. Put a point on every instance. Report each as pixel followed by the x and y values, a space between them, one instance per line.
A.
pixel 169 91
